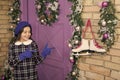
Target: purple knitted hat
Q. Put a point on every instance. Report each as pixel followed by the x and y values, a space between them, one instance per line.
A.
pixel 20 26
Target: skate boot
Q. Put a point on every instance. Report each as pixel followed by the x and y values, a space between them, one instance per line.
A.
pixel 83 46
pixel 94 46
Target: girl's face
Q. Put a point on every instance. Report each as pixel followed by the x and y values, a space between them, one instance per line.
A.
pixel 25 35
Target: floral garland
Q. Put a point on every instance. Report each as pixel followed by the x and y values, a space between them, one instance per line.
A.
pixel 47 11
pixel 14 13
pixel 77 22
pixel 8 72
pixel 107 23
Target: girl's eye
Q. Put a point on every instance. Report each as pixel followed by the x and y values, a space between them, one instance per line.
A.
pixel 26 31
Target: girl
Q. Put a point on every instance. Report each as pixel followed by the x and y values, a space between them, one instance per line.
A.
pixel 23 53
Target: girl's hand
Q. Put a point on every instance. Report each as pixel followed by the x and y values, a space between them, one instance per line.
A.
pixel 46 51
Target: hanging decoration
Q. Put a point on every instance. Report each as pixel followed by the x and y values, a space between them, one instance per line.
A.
pixel 77 22
pixel 47 11
pixel 88 45
pixel 14 13
pixel 74 74
pixel 107 23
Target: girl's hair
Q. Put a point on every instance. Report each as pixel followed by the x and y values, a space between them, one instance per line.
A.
pixel 16 38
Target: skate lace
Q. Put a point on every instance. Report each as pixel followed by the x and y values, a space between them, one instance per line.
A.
pixel 97 45
pixel 79 45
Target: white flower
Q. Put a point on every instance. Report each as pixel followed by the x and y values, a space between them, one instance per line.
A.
pixel 75 24
pixel 109 21
pixel 53 6
pixel 115 21
pixel 79 8
pixel 71 21
pixel 107 0
pixel 102 20
pixel 77 28
pixel 79 2
pixel 103 29
pixel 56 4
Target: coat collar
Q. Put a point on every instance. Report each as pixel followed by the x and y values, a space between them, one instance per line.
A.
pixel 24 43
